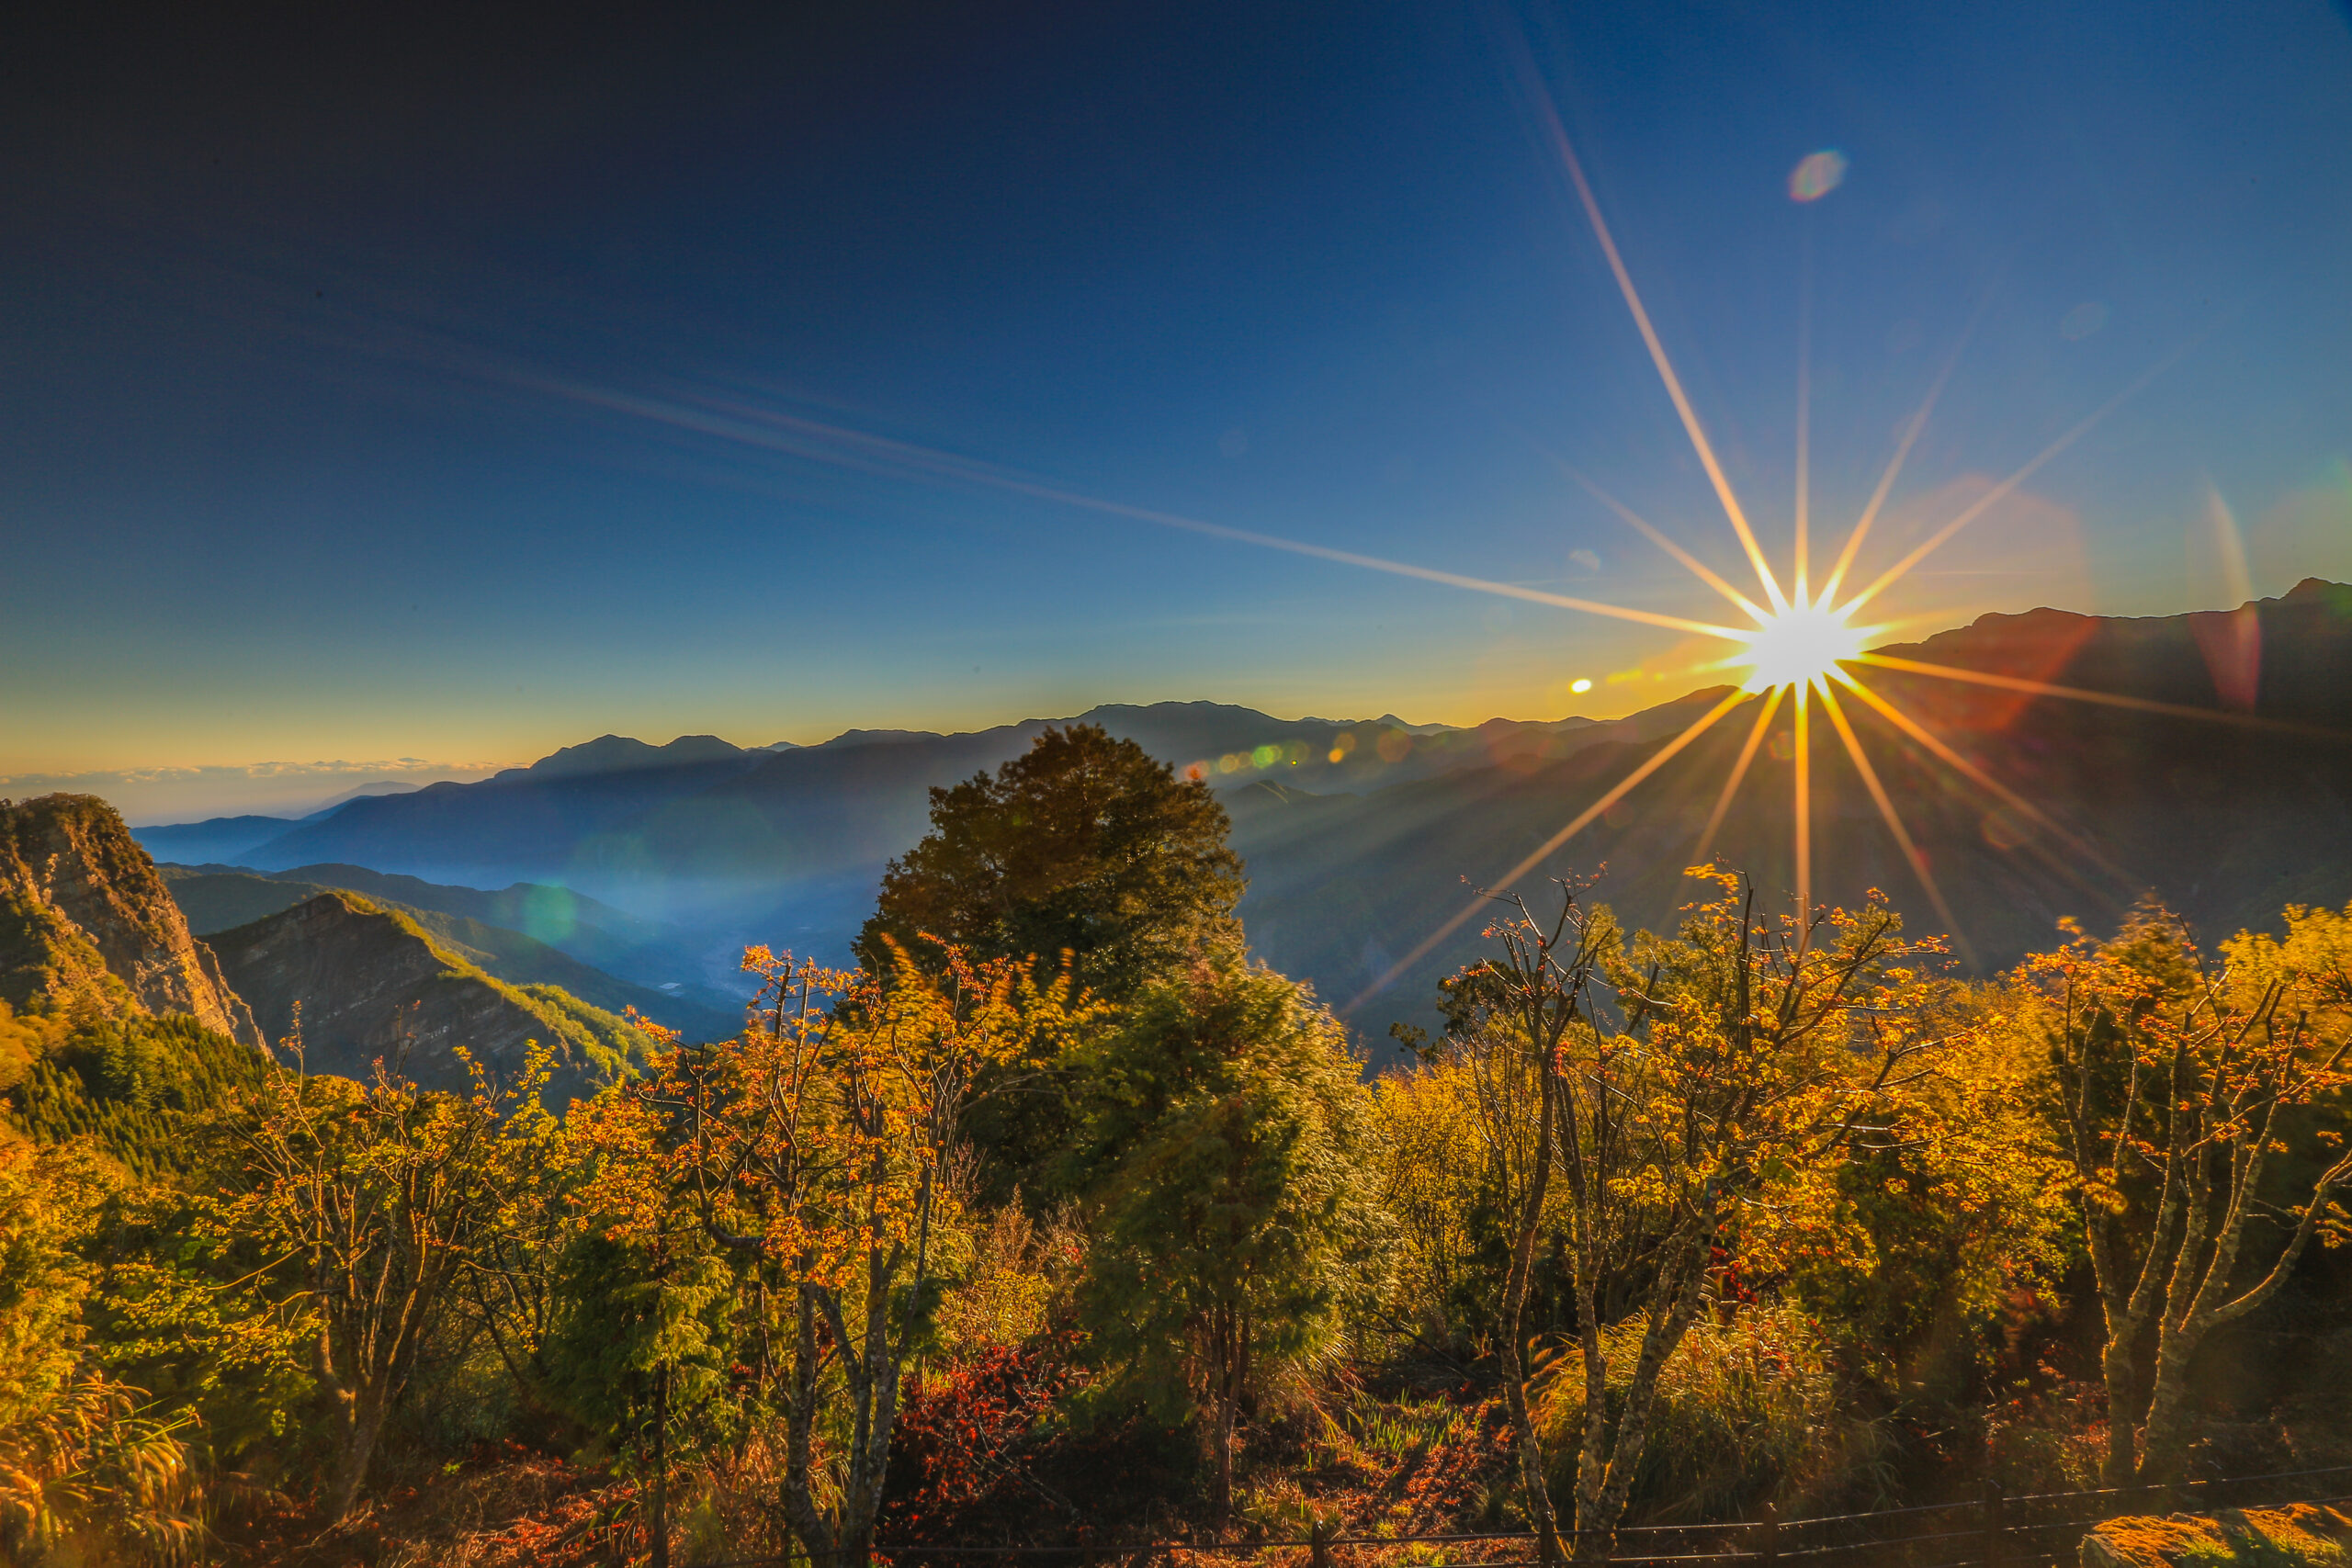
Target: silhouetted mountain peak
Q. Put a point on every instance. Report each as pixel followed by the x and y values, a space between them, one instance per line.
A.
pixel 621 754
pixel 2321 591
pixel 1108 712
pixel 848 737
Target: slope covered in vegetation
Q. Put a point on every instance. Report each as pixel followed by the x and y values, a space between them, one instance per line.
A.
pixel 357 982
pixel 216 900
pixel 982 1247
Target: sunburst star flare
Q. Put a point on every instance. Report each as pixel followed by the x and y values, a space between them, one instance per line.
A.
pixel 1802 645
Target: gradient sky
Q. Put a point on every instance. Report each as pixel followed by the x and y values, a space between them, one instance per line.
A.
pixel 386 385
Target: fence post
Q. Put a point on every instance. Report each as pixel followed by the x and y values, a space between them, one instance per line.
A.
pixel 1995 1524
pixel 1318 1543
pixel 1768 1536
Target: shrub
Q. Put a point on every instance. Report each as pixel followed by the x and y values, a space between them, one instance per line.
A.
pixel 1745 1412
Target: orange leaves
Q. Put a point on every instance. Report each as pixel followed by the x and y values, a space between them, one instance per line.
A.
pixel 812 1137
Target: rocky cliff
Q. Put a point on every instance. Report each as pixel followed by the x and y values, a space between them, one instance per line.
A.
pixel 86 926
pixel 368 983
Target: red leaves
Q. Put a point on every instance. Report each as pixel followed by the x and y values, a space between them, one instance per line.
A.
pixel 959 1435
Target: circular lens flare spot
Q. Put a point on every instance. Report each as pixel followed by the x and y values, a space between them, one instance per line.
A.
pixel 1803 643
pixel 1818 175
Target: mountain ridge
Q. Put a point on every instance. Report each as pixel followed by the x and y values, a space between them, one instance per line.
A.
pixel 352 982
pixel 1352 831
pixel 86 924
pixel 2224 814
pixel 222 898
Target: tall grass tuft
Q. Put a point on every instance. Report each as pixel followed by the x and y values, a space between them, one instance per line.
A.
pixel 1746 1413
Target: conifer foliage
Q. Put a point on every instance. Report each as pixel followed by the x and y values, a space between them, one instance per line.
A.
pixel 1083 844
pixel 1228 1139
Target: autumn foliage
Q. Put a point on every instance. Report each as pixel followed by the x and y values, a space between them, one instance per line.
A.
pixel 979 1245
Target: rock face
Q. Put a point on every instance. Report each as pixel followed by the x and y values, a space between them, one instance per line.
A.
pixel 2300 1535
pixel 86 924
pixel 369 984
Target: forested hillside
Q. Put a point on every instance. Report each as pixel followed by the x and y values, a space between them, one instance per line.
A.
pixel 216 899
pixel 1063 1222
pixel 348 982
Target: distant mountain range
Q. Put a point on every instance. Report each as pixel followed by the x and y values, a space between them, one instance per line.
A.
pixel 1360 835
pixel 2225 812
pixel 546 820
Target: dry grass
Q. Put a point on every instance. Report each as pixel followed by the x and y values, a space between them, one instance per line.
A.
pixel 2303 1535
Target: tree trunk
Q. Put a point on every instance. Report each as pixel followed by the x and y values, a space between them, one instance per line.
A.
pixel 1223 1501
pixel 2117 1364
pixel 1673 1305
pixel 1225 1349
pixel 1515 1284
pixel 363 1424
pixel 660 1526
pixel 808 1521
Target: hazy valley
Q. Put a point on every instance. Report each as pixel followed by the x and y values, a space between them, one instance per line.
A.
pixel 1356 834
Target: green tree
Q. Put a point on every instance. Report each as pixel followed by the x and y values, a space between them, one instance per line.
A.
pixel 1230 1137
pixel 83 1470
pixel 1085 845
pixel 639 1337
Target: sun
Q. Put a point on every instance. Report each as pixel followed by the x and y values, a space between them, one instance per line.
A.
pixel 1802 645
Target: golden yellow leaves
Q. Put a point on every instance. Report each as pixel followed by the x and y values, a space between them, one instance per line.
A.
pixel 814 1138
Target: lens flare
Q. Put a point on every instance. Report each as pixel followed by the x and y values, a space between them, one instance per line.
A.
pixel 1802 645
pixel 1804 642
pixel 1818 175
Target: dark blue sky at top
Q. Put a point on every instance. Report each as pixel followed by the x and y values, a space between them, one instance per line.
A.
pixel 331 338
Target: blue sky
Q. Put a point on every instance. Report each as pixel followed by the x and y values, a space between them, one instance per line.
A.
pixel 409 387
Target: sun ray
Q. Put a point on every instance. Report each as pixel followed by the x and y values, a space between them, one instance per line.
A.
pixel 1794 644
pixel 1893 821
pixel 1911 432
pixel 1805 814
pixel 843 447
pixel 1690 562
pixel 1977 775
pixel 1582 820
pixel 1799 570
pixel 1395 568
pixel 1558 134
pixel 2105 699
pixel 1985 502
pixel 1738 772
